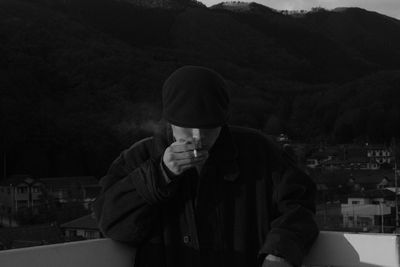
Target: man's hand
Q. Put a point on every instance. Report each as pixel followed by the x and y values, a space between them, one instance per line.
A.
pixel 275 261
pixel 179 157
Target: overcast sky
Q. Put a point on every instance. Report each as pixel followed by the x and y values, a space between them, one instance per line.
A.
pixel 387 7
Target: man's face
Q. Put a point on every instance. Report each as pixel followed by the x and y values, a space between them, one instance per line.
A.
pixel 207 136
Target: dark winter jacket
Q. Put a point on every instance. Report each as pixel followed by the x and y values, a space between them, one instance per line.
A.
pixel 249 201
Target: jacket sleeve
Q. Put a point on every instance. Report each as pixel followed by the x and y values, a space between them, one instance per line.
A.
pixel 293 230
pixel 128 207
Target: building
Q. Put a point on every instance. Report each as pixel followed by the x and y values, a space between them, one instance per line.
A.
pixel 379 154
pixel 18 192
pixel 84 227
pixel 371 210
pixel 333 164
pixel 351 156
pixel 76 188
pixel 318 158
pixel 21 192
pixel 283 139
pixel 322 156
pixel 385 183
pixel 361 163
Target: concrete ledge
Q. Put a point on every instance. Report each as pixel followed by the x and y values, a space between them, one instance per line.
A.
pixel 354 250
pixel 331 249
pixel 89 253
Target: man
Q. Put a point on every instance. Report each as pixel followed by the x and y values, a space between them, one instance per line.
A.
pixel 202 193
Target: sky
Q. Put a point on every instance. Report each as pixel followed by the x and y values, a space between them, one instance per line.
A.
pixel 387 7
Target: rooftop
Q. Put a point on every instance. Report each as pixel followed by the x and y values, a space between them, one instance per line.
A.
pixel 18 179
pixel 85 222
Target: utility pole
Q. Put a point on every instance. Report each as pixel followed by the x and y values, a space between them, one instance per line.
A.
pixel 397 205
pixel 5 166
pixel 4 158
pixel 395 183
pixel 381 208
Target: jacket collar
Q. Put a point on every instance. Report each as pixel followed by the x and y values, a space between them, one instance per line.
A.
pixel 223 155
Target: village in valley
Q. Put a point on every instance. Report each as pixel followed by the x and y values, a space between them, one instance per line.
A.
pixel 47 210
pixel 356 192
pixel 356 184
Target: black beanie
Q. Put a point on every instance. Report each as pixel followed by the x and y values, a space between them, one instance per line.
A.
pixel 195 97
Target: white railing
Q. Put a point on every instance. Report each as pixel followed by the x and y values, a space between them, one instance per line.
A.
pixel 331 249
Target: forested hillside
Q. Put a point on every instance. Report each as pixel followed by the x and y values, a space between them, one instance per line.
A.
pixel 81 79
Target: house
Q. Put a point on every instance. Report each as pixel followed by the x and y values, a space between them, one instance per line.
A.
pixel 21 192
pixel 384 183
pixel 333 164
pixel 84 227
pixel 283 139
pixel 318 158
pixel 18 192
pixel 76 188
pixel 351 156
pixel 368 157
pixel 379 154
pixel 361 163
pixel 312 162
pixel 323 154
pixel 371 210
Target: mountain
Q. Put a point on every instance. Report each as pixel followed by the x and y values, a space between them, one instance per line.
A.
pixel 365 109
pixel 81 79
pixel 71 95
pixel 278 42
pixel 168 4
pixel 250 7
pixel 153 4
pixel 369 35
pixel 323 58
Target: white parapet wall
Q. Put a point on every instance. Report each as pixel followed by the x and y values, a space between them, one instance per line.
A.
pixel 90 253
pixel 331 249
pixel 354 250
